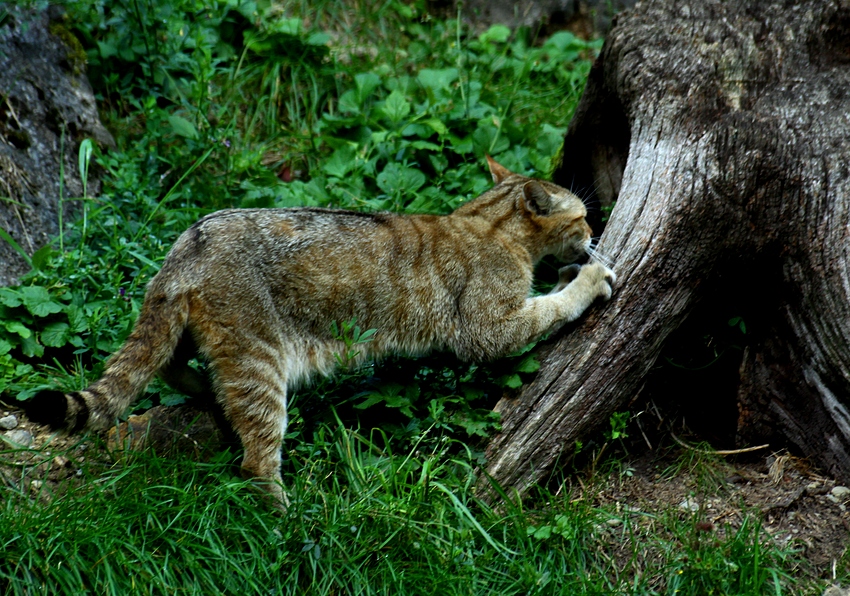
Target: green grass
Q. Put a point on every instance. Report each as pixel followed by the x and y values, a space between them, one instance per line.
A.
pixel 362 520
pixel 367 105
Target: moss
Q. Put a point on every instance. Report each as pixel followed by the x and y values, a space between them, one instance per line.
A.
pixel 77 56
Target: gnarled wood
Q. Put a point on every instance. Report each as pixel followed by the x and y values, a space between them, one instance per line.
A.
pixel 723 132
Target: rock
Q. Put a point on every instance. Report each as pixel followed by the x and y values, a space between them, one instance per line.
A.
pixel 689 504
pixel 8 422
pixel 46 105
pixel 168 430
pixel 19 436
pixel 840 492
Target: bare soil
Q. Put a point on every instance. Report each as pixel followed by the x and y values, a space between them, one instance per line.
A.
pixel 799 508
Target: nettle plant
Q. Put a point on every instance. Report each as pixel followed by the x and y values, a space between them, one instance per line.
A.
pixel 414 142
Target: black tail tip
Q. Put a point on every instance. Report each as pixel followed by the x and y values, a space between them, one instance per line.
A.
pixel 48 407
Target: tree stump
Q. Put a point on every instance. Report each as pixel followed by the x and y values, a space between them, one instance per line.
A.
pixel 722 131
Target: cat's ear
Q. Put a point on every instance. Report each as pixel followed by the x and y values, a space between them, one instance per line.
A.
pixel 497 170
pixel 537 199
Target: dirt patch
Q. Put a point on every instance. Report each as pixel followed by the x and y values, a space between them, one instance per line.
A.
pixel 799 508
pixel 45 462
pixel 35 459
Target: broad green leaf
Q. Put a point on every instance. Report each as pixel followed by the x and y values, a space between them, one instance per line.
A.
pixel 76 318
pixel 374 398
pixel 318 39
pixel 340 162
pixel 107 49
pixel 425 145
pixel 55 335
pixel 496 33
pixel 17 327
pixel 290 26
pixel 10 297
pixel 366 83
pixel 461 144
pixel 563 40
pixel 437 81
pixel 437 125
pixel 5 346
pixel 396 179
pixel 172 399
pixel 349 102
pixel 182 127
pixel 487 139
pixel 38 301
pixel 30 347
pixel 42 256
pixel 378 136
pixel 529 364
pixel 396 107
pixel 513 381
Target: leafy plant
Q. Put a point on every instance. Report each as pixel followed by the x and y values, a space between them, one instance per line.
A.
pixel 351 336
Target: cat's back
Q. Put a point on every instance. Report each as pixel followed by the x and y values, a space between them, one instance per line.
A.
pixel 248 237
pixel 283 229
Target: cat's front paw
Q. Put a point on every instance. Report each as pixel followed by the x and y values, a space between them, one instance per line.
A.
pixel 600 278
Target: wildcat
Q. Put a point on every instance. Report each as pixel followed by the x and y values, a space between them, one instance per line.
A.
pixel 255 292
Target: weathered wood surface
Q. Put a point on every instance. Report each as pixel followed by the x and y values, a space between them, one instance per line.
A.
pixel 722 130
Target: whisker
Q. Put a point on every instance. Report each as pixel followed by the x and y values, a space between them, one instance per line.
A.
pixel 596 255
pixel 586 193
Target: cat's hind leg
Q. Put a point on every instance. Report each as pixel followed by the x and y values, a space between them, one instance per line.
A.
pixel 252 389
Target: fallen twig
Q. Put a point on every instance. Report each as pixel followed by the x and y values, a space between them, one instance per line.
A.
pixel 718 451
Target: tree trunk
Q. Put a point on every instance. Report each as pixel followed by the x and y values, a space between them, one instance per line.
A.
pixel 722 131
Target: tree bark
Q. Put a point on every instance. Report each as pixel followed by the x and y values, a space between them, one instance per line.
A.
pixel 722 131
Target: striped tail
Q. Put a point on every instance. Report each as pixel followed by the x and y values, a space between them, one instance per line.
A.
pixel 148 348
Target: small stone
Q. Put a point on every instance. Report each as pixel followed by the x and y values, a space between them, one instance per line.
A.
pixel 614 522
pixel 8 422
pixel 832 498
pixel 689 504
pixel 840 492
pixel 19 436
pixel 60 461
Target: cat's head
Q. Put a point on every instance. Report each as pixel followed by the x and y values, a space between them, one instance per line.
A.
pixel 554 217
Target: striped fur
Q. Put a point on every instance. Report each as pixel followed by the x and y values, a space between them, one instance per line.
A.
pixel 256 291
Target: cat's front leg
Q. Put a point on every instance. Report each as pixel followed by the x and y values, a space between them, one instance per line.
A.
pixel 585 285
